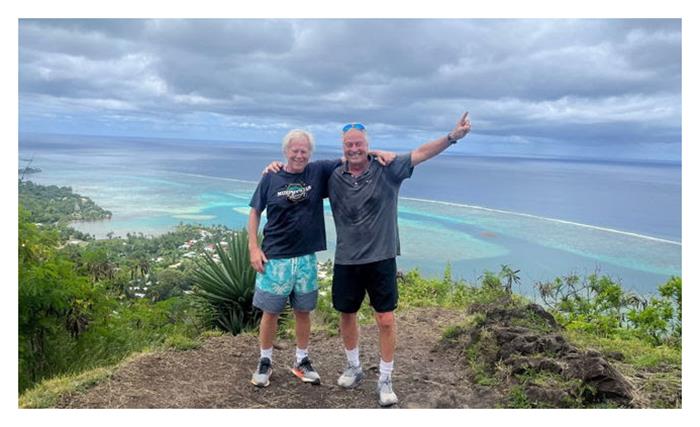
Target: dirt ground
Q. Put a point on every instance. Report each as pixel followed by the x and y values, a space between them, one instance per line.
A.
pixel 217 375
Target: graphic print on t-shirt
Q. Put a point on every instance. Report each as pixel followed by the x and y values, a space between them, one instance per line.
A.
pixel 295 192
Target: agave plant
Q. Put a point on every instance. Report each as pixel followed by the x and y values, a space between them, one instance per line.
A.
pixel 227 286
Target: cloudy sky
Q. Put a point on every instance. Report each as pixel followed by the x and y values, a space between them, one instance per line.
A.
pixel 590 88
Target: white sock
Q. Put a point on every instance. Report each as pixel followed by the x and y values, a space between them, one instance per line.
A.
pixel 301 354
pixel 385 369
pixel 353 357
pixel 266 353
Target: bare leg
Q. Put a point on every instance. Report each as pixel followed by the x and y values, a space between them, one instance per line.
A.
pixel 387 334
pixel 349 330
pixel 303 328
pixel 268 329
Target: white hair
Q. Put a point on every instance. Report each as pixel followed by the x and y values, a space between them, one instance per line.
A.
pixel 297 134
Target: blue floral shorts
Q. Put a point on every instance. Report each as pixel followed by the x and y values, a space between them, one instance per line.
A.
pixel 292 279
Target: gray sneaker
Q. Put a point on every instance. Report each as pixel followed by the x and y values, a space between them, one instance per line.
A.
pixel 387 397
pixel 305 372
pixel 261 377
pixel 351 377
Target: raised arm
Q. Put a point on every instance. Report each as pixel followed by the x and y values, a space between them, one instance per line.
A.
pixel 433 148
pixel 257 256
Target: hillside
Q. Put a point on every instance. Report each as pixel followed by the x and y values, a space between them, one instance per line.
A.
pixel 435 368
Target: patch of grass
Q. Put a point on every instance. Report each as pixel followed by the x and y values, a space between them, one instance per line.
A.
pixel 574 388
pixel 286 324
pixel 181 343
pixel 541 378
pixel 212 333
pixel 325 315
pixel 637 352
pixel 451 333
pixel 517 399
pixel 532 321
pixel 663 390
pixel 47 393
pixel 418 291
pixel 483 377
pixel 481 355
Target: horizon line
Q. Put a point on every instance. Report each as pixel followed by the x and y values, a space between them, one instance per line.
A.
pixel 562 157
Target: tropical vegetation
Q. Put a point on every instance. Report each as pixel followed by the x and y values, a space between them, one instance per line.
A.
pixel 91 303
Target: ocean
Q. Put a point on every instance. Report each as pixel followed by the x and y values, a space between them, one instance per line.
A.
pixel 546 217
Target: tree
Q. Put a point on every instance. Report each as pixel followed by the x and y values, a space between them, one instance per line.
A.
pixel 661 318
pixel 55 303
pixel 510 276
pixel 98 264
pixel 673 292
pixel 168 283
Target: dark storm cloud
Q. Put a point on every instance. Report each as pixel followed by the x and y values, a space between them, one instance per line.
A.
pixel 585 81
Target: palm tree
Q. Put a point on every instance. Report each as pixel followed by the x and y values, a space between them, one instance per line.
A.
pixel 510 276
pixel 143 266
pixel 98 264
pixel 227 286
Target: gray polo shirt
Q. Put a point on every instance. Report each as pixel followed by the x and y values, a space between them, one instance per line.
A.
pixel 365 211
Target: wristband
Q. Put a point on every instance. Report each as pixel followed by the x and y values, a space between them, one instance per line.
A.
pixel 450 140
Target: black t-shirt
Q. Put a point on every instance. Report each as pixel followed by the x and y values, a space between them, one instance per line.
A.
pixel 294 203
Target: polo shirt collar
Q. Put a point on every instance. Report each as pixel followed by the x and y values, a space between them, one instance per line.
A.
pixel 372 160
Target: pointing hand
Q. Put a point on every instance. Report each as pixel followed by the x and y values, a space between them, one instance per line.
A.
pixel 463 127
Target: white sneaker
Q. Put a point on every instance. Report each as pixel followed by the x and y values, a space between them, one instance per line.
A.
pixel 351 377
pixel 261 377
pixel 305 372
pixel 387 397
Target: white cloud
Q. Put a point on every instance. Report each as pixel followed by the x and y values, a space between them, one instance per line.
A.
pixel 521 79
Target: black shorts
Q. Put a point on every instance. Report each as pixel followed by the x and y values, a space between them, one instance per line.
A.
pixel 378 279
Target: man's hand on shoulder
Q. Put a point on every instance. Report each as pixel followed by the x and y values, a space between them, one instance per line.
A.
pixel 384 157
pixel 273 167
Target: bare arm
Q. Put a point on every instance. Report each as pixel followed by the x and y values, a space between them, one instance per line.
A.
pixel 433 148
pixel 257 256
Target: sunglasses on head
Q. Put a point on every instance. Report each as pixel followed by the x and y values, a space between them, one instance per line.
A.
pixel 358 126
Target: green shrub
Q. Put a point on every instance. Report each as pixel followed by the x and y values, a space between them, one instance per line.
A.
pixel 418 291
pixel 227 286
pixel 599 305
pixel 56 304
